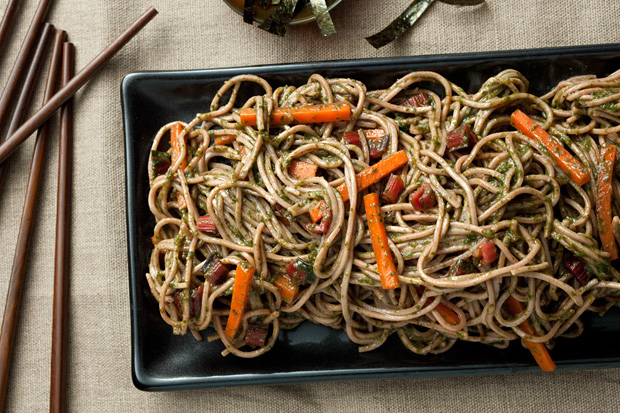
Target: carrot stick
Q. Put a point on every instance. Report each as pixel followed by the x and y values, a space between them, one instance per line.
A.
pixel 445 312
pixel 603 199
pixel 316 212
pixel 569 164
pixel 175 145
pixel 287 289
pixel 240 295
pixel 300 169
pixel 378 236
pixel 223 139
pixel 365 178
pixel 538 350
pixel 175 131
pixel 329 112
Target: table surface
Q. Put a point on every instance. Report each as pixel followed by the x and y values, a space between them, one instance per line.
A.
pixel 196 34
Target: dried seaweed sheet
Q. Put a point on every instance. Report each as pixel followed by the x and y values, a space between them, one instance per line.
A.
pixel 323 19
pixel 278 21
pixel 249 8
pixel 401 24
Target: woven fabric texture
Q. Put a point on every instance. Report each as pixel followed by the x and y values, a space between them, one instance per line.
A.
pixel 196 34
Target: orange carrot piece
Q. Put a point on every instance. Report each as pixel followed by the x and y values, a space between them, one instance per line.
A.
pixel 365 178
pixel 328 112
pixel 569 164
pixel 287 289
pixel 538 350
pixel 378 236
pixel 376 172
pixel 374 133
pixel 300 169
pixel 175 131
pixel 316 212
pixel 223 139
pixel 603 199
pixel 181 201
pixel 175 145
pixel 445 312
pixel 240 296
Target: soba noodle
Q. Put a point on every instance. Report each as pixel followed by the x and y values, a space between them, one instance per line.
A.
pixel 506 189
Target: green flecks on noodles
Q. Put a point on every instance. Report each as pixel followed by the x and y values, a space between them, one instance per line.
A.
pixel 463 269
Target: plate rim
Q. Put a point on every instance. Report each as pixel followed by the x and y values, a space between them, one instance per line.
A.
pixel 141 378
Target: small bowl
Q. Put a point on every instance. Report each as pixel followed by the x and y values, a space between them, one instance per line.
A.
pixel 305 15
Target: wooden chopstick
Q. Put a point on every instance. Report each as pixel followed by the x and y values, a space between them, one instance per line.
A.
pixel 22 58
pixel 16 281
pixel 61 263
pixel 7 19
pixel 23 101
pixel 48 109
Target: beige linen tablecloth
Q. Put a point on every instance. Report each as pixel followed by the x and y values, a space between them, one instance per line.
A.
pixel 195 34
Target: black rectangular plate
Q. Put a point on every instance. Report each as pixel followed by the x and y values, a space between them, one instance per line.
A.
pixel 162 361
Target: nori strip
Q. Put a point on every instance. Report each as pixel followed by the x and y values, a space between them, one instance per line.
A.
pixel 463 2
pixel 264 3
pixel 278 21
pixel 249 8
pixel 401 24
pixel 323 19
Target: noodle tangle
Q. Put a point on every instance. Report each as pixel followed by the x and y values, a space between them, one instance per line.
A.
pixel 504 190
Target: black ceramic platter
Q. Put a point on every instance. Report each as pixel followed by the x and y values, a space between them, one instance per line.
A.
pixel 163 361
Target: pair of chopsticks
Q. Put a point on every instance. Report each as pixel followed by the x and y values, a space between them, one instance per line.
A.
pixel 61 63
